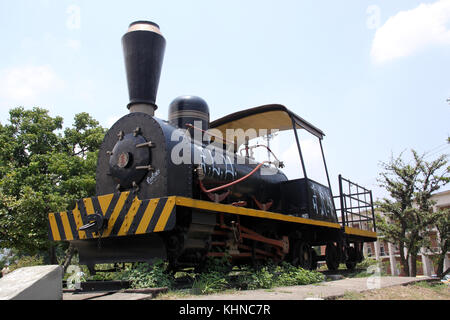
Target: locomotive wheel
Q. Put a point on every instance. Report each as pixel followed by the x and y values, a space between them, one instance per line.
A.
pixel 314 259
pixel 302 255
pixel 332 256
pixel 351 262
pixel 306 259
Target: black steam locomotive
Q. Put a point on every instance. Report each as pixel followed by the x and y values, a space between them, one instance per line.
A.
pixel 183 190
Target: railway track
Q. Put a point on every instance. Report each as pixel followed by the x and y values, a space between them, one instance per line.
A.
pixel 343 272
pixel 93 290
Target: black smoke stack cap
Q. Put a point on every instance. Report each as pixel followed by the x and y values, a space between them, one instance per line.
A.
pixel 143 47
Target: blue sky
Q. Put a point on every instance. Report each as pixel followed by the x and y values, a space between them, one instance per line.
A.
pixel 373 75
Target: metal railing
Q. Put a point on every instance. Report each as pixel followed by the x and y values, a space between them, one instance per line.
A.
pixel 355 206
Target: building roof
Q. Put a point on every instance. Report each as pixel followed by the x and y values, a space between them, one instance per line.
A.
pixel 442 199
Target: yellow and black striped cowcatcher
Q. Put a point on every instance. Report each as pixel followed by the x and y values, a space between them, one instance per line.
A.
pixel 124 212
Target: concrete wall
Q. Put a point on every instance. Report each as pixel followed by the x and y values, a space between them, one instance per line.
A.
pixel 32 283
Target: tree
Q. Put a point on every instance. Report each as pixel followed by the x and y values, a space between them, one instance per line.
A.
pixel 408 215
pixel 43 171
pixel 443 227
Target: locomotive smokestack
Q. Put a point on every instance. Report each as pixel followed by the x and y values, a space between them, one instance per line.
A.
pixel 143 47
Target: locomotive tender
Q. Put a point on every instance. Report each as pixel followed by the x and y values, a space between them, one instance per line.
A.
pixel 182 190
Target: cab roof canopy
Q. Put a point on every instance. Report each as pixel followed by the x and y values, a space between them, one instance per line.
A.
pixel 269 117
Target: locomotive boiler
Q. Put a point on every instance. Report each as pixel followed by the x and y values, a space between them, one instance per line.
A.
pixel 184 189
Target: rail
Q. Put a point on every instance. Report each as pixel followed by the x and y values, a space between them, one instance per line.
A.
pixel 355 206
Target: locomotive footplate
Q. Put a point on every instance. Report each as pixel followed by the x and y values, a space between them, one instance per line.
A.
pixel 126 215
pixel 133 226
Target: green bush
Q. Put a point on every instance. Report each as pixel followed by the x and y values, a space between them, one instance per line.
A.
pixel 211 282
pixel 221 265
pixel 217 277
pixel 289 275
pixel 27 261
pixel 278 276
pixel 144 275
pixel 366 263
pixel 259 279
pixel 214 278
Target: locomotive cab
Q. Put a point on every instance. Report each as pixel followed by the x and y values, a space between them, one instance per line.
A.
pixel 276 132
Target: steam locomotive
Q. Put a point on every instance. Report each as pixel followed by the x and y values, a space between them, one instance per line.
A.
pixel 185 189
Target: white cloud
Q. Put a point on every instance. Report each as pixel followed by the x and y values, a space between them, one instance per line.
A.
pixel 26 83
pixel 411 31
pixel 74 17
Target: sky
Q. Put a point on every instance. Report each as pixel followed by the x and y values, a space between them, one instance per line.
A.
pixel 371 74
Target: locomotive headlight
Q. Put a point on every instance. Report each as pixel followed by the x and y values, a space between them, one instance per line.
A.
pixel 124 159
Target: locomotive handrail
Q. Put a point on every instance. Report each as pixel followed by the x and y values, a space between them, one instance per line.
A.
pixel 363 208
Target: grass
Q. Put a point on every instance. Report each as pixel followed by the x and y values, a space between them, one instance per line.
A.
pixel 436 286
pixel 418 291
